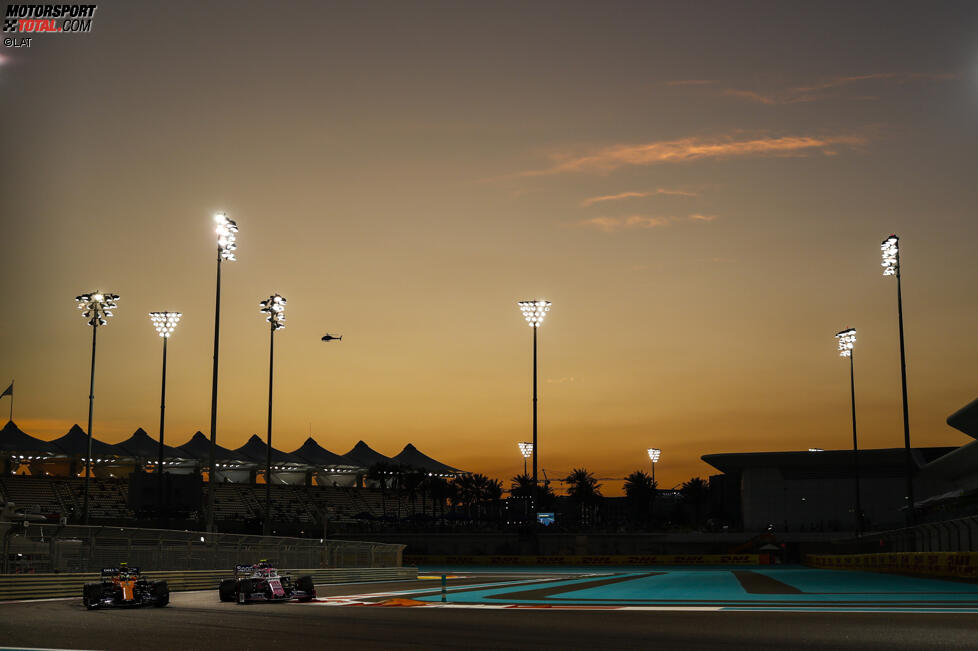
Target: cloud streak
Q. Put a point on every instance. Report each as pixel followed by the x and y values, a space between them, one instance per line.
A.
pixel 631 195
pixel 687 150
pixel 814 92
pixel 633 222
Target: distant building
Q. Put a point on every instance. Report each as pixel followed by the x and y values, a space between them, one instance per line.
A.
pixel 815 490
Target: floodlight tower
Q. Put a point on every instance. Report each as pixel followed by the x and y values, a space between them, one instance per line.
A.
pixel 274 308
pixel 890 249
pixel 534 312
pixel 226 244
pixel 165 323
pixel 526 449
pixel 97 308
pixel 654 454
pixel 847 341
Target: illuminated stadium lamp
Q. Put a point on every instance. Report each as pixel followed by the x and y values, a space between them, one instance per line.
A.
pixel 165 323
pixel 534 313
pixel 274 309
pixel 846 339
pixel 890 249
pixel 226 230
pixel 526 449
pixel 847 342
pixel 96 308
pixel 654 454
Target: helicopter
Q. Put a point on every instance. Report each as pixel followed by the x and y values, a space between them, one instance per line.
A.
pixel 330 337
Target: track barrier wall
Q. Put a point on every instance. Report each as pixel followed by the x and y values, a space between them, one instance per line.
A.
pixel 41 586
pixel 29 548
pixel 577 561
pixel 936 564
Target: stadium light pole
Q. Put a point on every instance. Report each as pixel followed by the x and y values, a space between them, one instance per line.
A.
pixel 274 308
pixel 890 249
pixel 97 308
pixel 847 341
pixel 534 312
pixel 226 244
pixel 654 454
pixel 526 450
pixel 165 323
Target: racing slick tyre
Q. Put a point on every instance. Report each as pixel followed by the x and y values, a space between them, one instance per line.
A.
pixel 227 589
pixel 245 588
pixel 92 595
pixel 161 593
pixel 305 584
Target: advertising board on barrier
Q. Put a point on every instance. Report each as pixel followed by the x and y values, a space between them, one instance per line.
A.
pixel 952 564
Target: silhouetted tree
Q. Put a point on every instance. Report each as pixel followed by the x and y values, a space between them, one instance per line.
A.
pixel 382 473
pixel 584 490
pixel 640 492
pixel 695 492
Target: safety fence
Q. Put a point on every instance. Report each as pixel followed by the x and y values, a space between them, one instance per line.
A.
pixel 40 548
pixel 577 561
pixel 42 586
pixel 959 535
pixel 936 564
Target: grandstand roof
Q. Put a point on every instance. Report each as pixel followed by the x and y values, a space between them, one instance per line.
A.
pixel 14 439
pixel 75 443
pixel 411 456
pixel 880 458
pixel 140 444
pixel 199 447
pixel 315 454
pixel 256 451
pixel 966 419
pixel 363 455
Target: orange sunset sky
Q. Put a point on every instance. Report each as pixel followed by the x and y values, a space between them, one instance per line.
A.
pixel 700 188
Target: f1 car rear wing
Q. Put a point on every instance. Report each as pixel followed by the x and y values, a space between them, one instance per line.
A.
pixel 113 571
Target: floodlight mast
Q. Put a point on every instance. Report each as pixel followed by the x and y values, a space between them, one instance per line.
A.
pixel 654 454
pixel 97 308
pixel 274 308
pixel 847 340
pixel 890 249
pixel 534 312
pixel 226 244
pixel 165 323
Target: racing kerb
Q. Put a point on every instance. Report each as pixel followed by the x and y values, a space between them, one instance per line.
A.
pixel 36 548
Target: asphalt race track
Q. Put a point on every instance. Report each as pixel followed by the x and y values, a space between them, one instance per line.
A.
pixel 410 615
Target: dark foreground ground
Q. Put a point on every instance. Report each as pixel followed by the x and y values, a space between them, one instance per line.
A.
pixel 198 621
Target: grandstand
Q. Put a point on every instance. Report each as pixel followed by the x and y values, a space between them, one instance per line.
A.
pixel 312 488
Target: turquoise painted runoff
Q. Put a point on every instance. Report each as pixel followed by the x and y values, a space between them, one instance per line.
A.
pixel 719 587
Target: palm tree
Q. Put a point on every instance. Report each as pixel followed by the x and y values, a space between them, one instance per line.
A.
pixel 584 490
pixel 381 472
pixel 696 492
pixel 640 491
pixel 411 479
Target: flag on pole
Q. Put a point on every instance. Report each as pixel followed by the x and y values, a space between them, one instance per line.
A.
pixel 9 391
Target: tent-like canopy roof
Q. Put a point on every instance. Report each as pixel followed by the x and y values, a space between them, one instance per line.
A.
pixel 315 454
pixel 141 445
pixel 199 447
pixel 411 456
pixel 14 439
pixel 363 455
pixel 75 443
pixel 256 451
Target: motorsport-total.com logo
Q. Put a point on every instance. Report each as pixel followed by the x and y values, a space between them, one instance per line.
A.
pixel 48 19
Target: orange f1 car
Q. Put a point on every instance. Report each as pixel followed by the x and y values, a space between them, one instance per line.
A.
pixel 125 586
